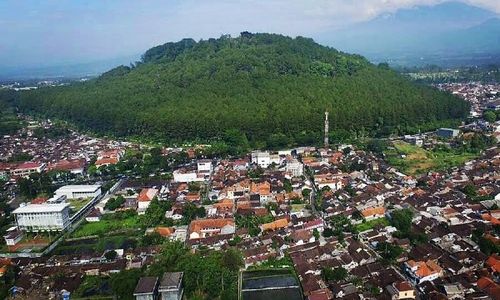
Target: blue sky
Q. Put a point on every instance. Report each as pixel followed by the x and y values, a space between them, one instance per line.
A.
pixel 56 32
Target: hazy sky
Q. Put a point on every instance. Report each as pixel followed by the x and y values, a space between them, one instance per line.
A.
pixel 49 32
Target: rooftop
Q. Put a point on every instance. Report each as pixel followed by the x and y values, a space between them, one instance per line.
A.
pixel 171 280
pixel 79 188
pixel 41 208
pixel 146 285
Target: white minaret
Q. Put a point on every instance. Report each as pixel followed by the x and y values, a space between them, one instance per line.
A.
pixel 326 129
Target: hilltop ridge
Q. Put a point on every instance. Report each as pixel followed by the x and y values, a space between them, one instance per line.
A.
pixel 266 90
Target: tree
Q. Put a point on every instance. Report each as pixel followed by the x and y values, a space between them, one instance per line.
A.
pixel 490 116
pixel 336 274
pixel 194 187
pixel 110 255
pixel 232 259
pixel 190 212
pixel 402 220
pixel 328 232
pixel 346 151
pixel 316 234
pixel 155 213
pixel 114 203
pixel 287 185
pixel 123 283
pixel 388 251
pixel 470 190
pixel 306 193
pixel 377 146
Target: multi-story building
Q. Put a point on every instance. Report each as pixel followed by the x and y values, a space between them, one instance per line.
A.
pixel 263 159
pixel 27 168
pixel 171 286
pixel 204 165
pixel 295 167
pixel 79 191
pixel 42 217
pixel 146 289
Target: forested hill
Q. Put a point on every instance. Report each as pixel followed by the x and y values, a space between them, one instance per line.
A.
pixel 263 89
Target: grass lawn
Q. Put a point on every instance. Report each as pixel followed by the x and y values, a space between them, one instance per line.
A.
pixel 370 224
pixel 297 207
pixel 105 226
pixel 418 160
pixel 77 204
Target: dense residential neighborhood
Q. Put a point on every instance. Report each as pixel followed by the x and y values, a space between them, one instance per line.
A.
pixel 411 217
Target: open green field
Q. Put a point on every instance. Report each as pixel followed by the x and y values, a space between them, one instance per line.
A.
pixel 370 224
pixel 417 160
pixel 107 225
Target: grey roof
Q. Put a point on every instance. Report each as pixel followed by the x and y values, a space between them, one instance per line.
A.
pixel 146 285
pixel 41 208
pixel 171 280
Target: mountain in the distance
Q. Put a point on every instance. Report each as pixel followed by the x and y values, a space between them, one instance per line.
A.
pixel 424 34
pixel 266 90
pixel 92 68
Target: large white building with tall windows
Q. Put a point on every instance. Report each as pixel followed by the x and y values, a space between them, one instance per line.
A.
pixel 79 191
pixel 42 217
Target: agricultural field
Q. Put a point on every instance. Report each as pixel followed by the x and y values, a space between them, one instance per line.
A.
pixel 413 160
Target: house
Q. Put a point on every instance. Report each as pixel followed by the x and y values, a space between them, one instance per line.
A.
pixel 75 166
pixel 27 168
pixel 423 271
pixel 165 231
pixel 401 290
pixel 263 190
pixel 203 228
pixel 277 224
pixel 146 289
pixel 447 132
pixel 111 157
pixel 171 286
pixel 93 216
pixel 334 182
pixel 144 199
pixel 13 236
pixel 373 213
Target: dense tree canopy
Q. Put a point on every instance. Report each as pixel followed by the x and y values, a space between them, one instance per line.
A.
pixel 260 90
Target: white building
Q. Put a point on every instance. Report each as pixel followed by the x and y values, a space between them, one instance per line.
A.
pixel 263 159
pixel 204 165
pixel 295 167
pixel 182 175
pixel 42 217
pixel 79 191
pixel 13 236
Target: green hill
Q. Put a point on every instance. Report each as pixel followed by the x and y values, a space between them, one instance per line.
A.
pixel 259 89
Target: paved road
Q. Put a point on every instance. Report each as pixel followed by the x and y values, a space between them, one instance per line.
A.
pixel 312 196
